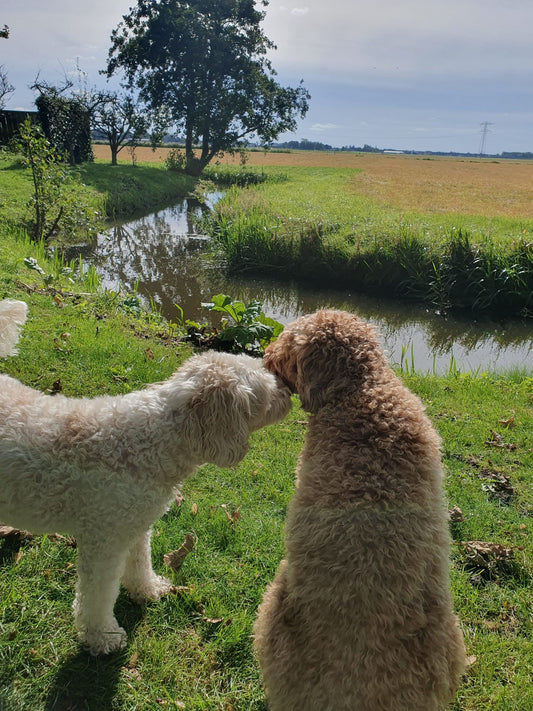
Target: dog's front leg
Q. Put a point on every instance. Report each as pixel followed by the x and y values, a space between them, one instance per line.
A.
pixel 138 576
pixel 96 592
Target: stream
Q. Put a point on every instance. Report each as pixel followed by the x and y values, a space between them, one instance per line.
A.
pixel 163 257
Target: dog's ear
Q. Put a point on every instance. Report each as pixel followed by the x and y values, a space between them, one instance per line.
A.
pixel 324 371
pixel 324 355
pixel 216 424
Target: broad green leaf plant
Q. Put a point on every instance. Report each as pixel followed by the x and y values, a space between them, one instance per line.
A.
pixel 244 325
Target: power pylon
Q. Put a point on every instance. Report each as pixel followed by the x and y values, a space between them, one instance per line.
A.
pixel 484 130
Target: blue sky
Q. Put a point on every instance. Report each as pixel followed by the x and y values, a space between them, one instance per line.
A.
pixel 404 74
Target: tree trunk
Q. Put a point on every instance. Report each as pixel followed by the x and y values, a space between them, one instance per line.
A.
pixel 114 153
pixel 192 164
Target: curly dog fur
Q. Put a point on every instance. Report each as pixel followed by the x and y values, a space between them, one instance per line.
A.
pixel 359 616
pixel 12 317
pixel 105 469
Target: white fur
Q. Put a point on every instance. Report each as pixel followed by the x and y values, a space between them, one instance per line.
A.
pixel 105 469
pixel 12 317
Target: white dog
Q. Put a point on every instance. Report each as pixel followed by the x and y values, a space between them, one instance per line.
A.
pixel 105 469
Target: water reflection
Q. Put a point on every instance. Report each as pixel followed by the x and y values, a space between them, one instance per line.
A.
pixel 165 256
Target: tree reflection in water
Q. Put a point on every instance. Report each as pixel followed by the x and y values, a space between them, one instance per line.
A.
pixel 167 260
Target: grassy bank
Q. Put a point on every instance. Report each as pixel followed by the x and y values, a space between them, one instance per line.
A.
pixel 118 191
pixel 313 226
pixel 193 650
pixel 135 190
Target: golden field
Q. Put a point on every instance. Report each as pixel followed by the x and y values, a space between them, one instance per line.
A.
pixel 469 186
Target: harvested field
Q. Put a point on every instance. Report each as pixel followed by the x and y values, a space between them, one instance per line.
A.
pixel 468 186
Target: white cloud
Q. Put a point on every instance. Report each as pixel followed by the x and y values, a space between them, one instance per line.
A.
pixel 299 11
pixel 323 127
pixel 387 42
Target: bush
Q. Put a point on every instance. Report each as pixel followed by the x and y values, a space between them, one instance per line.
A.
pixel 59 203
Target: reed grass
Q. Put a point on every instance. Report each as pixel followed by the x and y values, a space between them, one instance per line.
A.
pixel 311 227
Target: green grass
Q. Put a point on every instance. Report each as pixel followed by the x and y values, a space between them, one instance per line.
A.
pixel 134 190
pixel 195 647
pixel 126 190
pixel 193 650
pixel 312 226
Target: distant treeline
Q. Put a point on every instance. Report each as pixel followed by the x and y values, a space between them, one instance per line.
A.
pixel 306 145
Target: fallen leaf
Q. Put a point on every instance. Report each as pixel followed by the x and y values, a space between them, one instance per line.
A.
pixel 486 559
pixel 498 485
pixel 132 673
pixel 456 515
pixel 507 423
pixel 18 556
pixel 194 509
pixel 7 531
pixel 70 541
pixel 119 378
pixel 496 440
pixel 213 620
pixel 175 559
pixel 149 354
pixel 57 387
pixel 232 517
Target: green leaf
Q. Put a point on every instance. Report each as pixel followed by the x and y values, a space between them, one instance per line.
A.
pixel 32 263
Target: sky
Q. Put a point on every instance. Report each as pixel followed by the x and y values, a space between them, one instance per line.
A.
pixel 436 75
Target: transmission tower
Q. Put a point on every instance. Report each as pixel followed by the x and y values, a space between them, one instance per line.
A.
pixel 484 130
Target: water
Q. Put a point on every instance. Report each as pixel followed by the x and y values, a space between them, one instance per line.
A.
pixel 167 259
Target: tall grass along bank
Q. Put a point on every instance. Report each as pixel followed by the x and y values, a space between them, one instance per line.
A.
pixel 311 226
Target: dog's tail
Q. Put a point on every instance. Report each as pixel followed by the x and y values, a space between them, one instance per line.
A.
pixel 12 316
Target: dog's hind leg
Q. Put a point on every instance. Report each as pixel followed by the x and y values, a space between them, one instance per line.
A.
pixel 138 576
pixel 97 589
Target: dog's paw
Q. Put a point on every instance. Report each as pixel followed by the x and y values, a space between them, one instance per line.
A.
pixel 97 641
pixel 153 589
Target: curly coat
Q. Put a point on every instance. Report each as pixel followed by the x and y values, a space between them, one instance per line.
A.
pixel 359 615
pixel 104 469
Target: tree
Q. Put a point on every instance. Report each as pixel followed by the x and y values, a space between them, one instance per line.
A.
pixel 121 120
pixel 65 120
pixel 59 202
pixel 6 87
pixel 205 60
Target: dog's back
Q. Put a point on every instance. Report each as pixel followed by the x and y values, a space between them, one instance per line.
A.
pixel 359 616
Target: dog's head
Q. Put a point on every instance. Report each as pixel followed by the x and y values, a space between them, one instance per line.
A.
pixel 230 396
pixel 323 355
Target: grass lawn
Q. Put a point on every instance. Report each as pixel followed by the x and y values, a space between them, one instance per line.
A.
pixel 193 650
pixel 124 190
